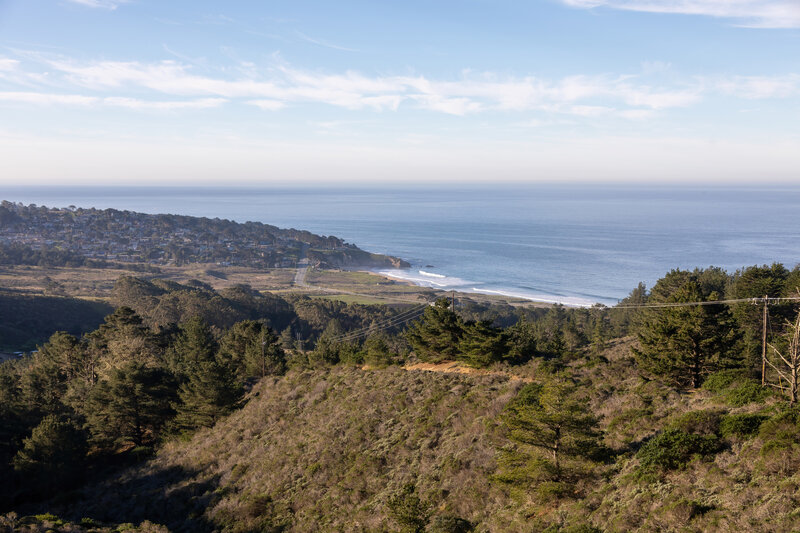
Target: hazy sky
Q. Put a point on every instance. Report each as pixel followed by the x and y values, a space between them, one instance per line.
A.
pixel 155 91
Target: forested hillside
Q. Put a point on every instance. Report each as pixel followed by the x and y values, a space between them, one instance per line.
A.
pixel 647 417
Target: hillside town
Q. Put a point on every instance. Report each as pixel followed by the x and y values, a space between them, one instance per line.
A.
pixel 41 235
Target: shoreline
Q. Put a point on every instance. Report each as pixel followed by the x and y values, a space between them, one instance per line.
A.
pixel 471 292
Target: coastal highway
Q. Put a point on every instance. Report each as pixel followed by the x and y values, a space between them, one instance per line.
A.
pixel 302 269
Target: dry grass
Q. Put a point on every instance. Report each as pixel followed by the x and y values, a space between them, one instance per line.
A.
pixel 325 450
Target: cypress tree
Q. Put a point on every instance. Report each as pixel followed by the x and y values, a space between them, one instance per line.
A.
pixel 435 337
pixel 481 344
pixel 209 393
pixel 685 344
pixel 131 406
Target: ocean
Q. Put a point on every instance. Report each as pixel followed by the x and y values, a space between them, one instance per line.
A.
pixel 576 244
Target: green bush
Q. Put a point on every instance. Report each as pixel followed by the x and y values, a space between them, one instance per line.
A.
pixel 722 380
pixel 781 433
pixel 736 388
pixel 742 426
pixel 747 392
pixel 673 449
pixel 449 524
pixel 698 422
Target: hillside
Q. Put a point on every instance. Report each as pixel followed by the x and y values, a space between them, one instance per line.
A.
pixel 331 449
pixel 102 238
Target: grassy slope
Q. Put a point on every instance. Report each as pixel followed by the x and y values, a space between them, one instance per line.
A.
pixel 325 450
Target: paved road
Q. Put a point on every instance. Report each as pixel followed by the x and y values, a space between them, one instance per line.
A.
pixel 302 269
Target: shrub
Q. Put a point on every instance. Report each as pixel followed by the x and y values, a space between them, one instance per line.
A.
pixel 748 392
pixel 781 433
pixel 720 381
pixel 408 510
pixel 698 422
pixel 736 388
pixel 674 448
pixel 450 524
pixel 744 425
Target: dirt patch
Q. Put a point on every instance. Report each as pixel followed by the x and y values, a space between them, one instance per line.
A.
pixel 454 367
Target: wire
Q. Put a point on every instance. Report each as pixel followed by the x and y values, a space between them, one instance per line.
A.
pixel 386 323
pixel 768 301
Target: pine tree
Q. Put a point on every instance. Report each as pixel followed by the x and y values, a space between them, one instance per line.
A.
pixel 253 350
pixel 209 393
pixel 685 344
pixel 552 430
pixel 131 406
pixel 123 338
pixel 195 344
pixel 435 337
pixel 522 342
pixel 53 455
pixel 482 344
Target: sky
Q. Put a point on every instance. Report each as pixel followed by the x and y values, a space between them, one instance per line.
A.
pixel 404 91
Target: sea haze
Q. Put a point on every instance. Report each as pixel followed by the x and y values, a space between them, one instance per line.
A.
pixel 577 245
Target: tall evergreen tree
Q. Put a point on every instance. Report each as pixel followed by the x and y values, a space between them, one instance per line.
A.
pixel 436 335
pixel 552 430
pixel 52 457
pixel 253 350
pixel 194 345
pixel 522 341
pixel 757 282
pixel 131 406
pixel 686 343
pixel 209 393
pixel 482 344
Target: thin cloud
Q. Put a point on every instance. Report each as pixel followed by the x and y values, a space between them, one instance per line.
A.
pixel 749 13
pixel 326 44
pixel 267 105
pixel 102 4
pixel 632 96
pixel 49 99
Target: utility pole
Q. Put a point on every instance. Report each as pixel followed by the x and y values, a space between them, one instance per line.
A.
pixel 764 345
pixel 263 361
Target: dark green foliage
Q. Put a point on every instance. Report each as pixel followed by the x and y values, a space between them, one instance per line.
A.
pixel 209 393
pixel 27 321
pixel 378 351
pixel 409 510
pixel 481 344
pixel 253 350
pixel 674 448
pixel 449 524
pixel 781 433
pixel 757 282
pixel 686 344
pixel 719 382
pixel 195 343
pixel 131 406
pixel 741 425
pixel 552 430
pixel 699 422
pixel 736 388
pixel 436 336
pixel 521 342
pixel 122 338
pixel 52 458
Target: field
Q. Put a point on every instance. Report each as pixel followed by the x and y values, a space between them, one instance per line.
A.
pixel 342 285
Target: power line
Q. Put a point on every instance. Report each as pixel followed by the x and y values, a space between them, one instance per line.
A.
pixel 766 301
pixel 396 320
pixel 367 331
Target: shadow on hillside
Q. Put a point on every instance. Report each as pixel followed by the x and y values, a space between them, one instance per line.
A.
pixel 174 496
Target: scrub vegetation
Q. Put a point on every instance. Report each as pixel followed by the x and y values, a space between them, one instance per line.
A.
pixel 192 409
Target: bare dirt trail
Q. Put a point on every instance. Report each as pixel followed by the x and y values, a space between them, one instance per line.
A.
pixel 453 367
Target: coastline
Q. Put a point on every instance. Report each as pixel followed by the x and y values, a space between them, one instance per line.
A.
pixel 447 284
